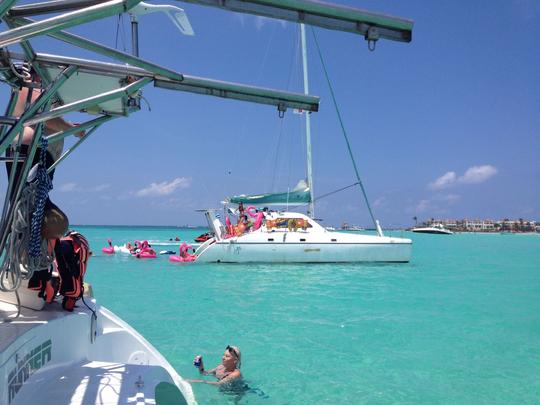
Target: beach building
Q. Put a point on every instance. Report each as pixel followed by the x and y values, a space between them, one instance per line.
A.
pixel 486 225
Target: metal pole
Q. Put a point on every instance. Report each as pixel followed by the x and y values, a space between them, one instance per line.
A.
pixel 109 52
pixel 5 6
pixel 134 35
pixel 31 56
pixel 66 20
pixel 311 207
pixel 90 101
pixel 68 152
pixel 58 136
pixel 41 100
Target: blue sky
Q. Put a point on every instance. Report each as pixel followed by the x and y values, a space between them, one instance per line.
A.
pixel 446 126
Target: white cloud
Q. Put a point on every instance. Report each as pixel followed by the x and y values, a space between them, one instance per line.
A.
pixel 444 181
pixel 478 174
pixel 67 187
pixel 101 187
pixel 474 174
pixel 72 186
pixel 379 202
pixel 422 206
pixel 449 198
pixel 164 188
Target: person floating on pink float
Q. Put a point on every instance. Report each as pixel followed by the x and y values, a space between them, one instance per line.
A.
pixel 145 251
pixel 184 255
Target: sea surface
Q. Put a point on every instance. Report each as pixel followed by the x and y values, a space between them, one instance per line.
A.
pixel 459 324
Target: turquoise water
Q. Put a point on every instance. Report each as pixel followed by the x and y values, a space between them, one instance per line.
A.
pixel 459 324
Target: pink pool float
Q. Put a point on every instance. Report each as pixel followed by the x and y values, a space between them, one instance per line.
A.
pixel 144 251
pixel 184 255
pixel 109 250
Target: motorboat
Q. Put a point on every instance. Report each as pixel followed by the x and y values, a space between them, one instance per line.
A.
pixel 203 237
pixel 435 228
pixel 296 238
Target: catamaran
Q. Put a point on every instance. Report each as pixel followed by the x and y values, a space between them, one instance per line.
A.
pixel 89 355
pixel 289 243
pixel 294 237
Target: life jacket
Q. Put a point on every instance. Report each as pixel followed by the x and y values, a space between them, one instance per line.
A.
pixel 72 252
pixel 42 280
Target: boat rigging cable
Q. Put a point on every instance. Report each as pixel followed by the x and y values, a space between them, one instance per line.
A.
pixel 292 69
pixel 334 192
pixel 359 180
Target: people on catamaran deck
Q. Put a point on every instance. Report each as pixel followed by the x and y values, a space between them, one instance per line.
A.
pixel 240 211
pixel 55 221
pixel 226 372
pixel 248 223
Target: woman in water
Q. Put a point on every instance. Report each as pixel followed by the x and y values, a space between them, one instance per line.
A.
pixel 226 372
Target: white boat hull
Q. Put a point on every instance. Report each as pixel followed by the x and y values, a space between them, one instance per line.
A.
pixel 375 250
pixel 433 230
pixel 306 253
pixel 54 357
pixel 291 237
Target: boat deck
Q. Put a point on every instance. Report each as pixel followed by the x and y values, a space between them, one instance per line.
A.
pixel 99 382
pixel 12 328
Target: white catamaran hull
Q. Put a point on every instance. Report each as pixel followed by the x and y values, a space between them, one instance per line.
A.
pixel 291 237
pixel 238 252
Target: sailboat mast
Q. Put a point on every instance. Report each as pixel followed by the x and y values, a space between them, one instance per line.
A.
pixel 311 207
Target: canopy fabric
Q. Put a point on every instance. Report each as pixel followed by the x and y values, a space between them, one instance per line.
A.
pixel 300 195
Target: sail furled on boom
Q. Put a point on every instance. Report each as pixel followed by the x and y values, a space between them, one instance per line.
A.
pixel 300 195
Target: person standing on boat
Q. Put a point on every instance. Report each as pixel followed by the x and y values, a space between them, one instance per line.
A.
pixel 226 372
pixel 240 212
pixel 55 221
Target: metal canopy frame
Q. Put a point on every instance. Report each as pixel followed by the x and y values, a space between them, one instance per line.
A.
pixel 321 14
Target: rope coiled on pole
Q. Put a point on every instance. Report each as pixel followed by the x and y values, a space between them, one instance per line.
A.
pixel 44 185
pixel 26 251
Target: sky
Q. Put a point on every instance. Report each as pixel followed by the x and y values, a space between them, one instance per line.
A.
pixel 446 126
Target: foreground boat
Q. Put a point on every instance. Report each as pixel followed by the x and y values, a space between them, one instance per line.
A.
pixel 289 243
pixel 88 356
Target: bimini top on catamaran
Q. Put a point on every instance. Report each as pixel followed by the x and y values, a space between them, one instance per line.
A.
pixel 89 355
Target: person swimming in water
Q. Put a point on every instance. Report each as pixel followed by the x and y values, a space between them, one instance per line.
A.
pixel 226 372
